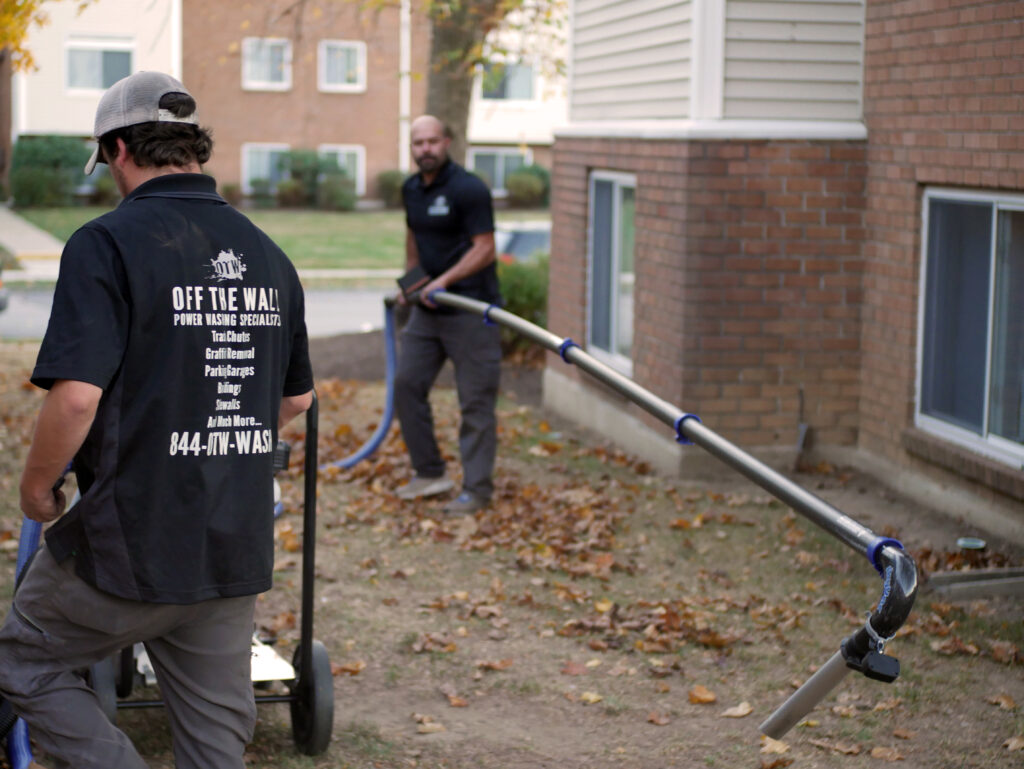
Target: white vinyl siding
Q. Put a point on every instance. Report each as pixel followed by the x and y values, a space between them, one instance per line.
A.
pixel 630 60
pixel 793 60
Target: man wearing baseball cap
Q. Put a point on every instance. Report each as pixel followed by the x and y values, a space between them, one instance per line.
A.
pixel 176 348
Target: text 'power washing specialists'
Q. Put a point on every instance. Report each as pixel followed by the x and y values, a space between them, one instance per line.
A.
pixel 226 309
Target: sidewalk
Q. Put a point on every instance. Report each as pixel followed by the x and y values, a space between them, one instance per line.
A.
pixel 28 243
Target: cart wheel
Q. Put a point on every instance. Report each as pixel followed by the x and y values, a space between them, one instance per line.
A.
pixel 313 706
pixel 125 679
pixel 100 677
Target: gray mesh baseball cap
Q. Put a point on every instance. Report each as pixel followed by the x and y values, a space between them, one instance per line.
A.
pixel 133 100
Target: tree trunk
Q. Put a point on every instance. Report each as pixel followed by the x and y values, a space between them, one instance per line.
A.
pixel 456 47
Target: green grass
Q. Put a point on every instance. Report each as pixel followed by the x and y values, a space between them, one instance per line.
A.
pixel 312 239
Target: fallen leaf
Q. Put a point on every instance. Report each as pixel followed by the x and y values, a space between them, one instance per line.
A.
pixel 890 704
pixel 593 663
pixel 1004 701
pixel 846 748
pixel 886 754
pixel 494 664
pixel 604 605
pixel 348 668
pixel 700 695
pixel 431 727
pixel 662 688
pixel 590 698
pixel 844 711
pixel 1014 743
pixel 574 669
pixel 658 719
pixel 1003 651
pixel 903 734
pixel 770 746
pixel 739 711
pixel 776 763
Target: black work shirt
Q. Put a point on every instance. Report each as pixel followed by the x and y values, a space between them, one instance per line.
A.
pixel 191 321
pixel 443 218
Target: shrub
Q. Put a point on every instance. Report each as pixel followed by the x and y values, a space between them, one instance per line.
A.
pixel 389 187
pixel 46 169
pixel 104 191
pixel 524 287
pixel 261 195
pixel 232 193
pixel 336 192
pixel 525 190
pixel 40 187
pixel 291 193
pixel 541 173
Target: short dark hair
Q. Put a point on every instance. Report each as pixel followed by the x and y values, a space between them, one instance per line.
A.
pixel 163 144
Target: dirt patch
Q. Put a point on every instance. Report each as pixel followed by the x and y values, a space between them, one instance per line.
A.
pixel 582 620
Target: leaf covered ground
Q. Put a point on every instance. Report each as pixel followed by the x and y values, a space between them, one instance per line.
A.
pixel 598 615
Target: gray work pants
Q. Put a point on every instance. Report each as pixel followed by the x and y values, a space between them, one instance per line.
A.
pixel 475 350
pixel 201 653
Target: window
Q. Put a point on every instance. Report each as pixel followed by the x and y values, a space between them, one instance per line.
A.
pixel 342 66
pixel 351 158
pixel 496 164
pixel 95 65
pixel 263 167
pixel 507 81
pixel 611 273
pixel 971 367
pixel 266 64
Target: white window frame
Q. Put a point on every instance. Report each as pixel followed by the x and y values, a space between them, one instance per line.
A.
pixel 360 85
pixel 246 146
pixel 360 153
pixel 267 85
pixel 992 446
pixel 534 85
pixel 119 45
pixel 498 190
pixel 616 360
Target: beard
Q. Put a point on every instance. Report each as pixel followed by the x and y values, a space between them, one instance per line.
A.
pixel 428 163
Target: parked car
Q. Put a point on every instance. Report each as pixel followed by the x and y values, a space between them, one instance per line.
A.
pixel 4 293
pixel 522 241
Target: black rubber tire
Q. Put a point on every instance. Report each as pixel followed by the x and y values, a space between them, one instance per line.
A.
pixel 125 680
pixel 313 707
pixel 101 678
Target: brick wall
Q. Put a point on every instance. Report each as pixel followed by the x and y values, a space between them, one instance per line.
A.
pixel 748 277
pixel 302 117
pixel 944 104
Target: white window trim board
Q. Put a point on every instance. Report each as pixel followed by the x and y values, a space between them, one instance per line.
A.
pixel 360 151
pixel 471 153
pixel 991 446
pixel 261 85
pixel 321 67
pixel 89 43
pixel 620 363
pixel 707 59
pixel 245 160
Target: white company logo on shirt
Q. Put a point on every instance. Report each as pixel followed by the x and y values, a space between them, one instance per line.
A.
pixel 439 207
pixel 227 266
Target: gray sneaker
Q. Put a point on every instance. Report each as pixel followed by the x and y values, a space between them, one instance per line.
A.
pixel 425 487
pixel 466 504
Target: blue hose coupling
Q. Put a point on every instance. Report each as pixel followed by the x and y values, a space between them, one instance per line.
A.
pixel 875 549
pixel 680 438
pixel 488 321
pixel 563 349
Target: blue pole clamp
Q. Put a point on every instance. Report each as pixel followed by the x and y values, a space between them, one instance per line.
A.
pixel 876 547
pixel 680 438
pixel 563 349
pixel 488 321
pixel 432 294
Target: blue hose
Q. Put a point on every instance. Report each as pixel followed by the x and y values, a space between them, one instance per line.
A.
pixel 381 432
pixel 19 750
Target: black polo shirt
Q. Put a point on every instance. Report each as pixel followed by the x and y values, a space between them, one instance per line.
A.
pixel 191 321
pixel 443 218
